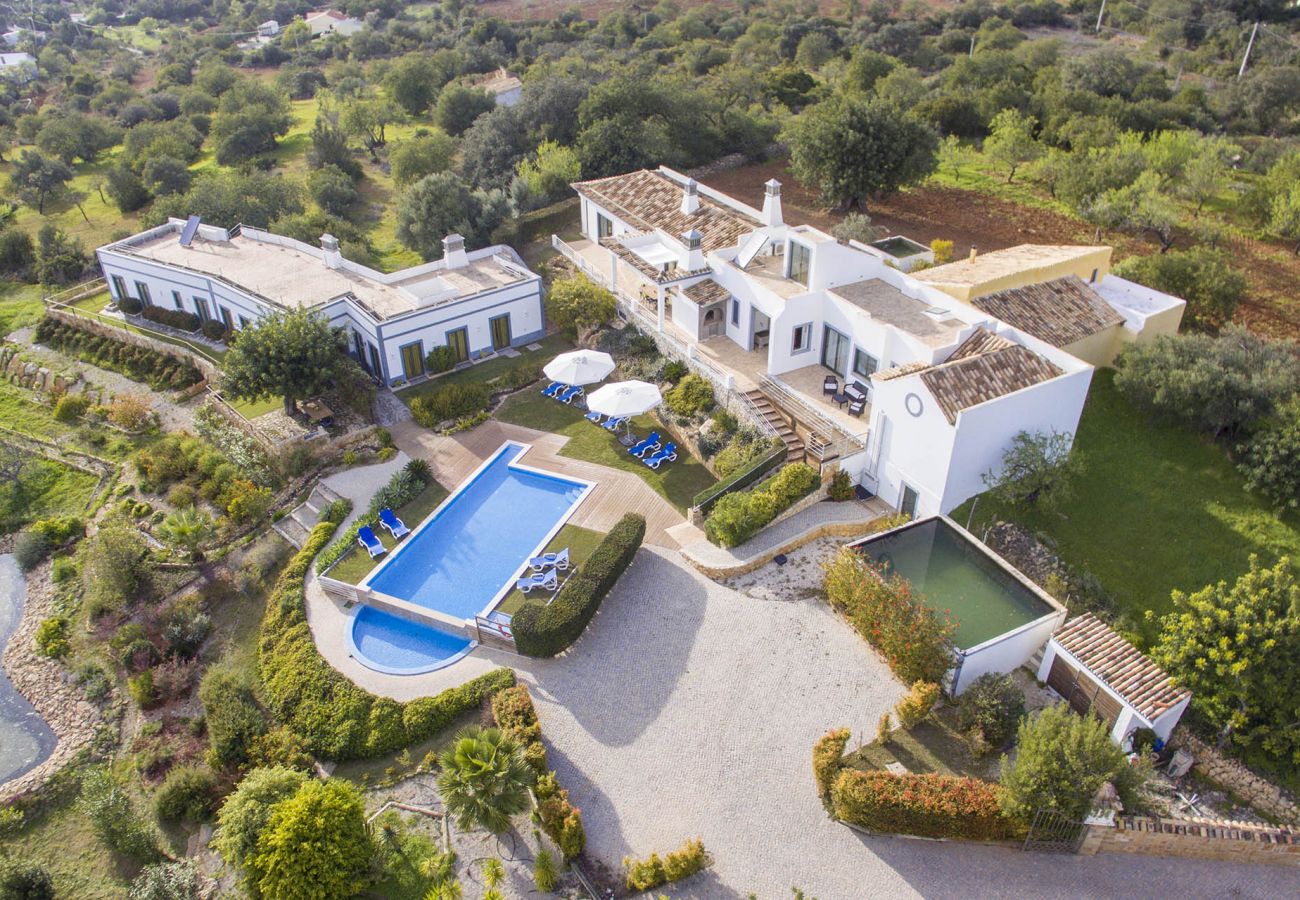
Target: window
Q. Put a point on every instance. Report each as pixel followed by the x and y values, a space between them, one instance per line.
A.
pixel 376 367
pixel 799 343
pixel 413 360
pixel 142 290
pixel 360 347
pixel 1093 279
pixel 604 227
pixel 119 288
pixel 227 319
pixel 176 300
pixel 243 322
pixel 458 341
pixel 800 263
pixel 735 311
pixel 864 364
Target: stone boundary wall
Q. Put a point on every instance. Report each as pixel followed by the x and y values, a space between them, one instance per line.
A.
pixel 1228 773
pixel 1228 841
pixel 209 371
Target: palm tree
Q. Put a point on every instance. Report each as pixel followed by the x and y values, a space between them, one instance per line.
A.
pixel 188 528
pixel 484 779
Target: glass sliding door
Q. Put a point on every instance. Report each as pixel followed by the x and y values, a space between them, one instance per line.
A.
pixel 500 326
pixel 835 350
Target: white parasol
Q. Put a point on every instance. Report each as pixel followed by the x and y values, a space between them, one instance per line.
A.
pixel 580 367
pixel 624 398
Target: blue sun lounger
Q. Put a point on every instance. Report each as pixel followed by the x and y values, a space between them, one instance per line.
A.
pixel 667 454
pixel 548 582
pixel 641 448
pixel 558 560
pixel 366 538
pixel 396 527
pixel 614 424
pixel 593 417
pixel 553 389
pixel 570 394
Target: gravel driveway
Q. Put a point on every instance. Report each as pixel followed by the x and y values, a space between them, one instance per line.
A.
pixel 690 709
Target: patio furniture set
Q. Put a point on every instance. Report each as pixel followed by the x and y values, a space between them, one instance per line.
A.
pixel 388 519
pixel 854 394
pixel 545 572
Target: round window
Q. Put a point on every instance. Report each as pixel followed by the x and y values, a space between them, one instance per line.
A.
pixel 913 404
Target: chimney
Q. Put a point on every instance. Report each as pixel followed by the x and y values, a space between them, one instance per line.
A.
pixel 772 204
pixel 690 196
pixel 694 251
pixel 329 245
pixel 453 252
pixel 971 258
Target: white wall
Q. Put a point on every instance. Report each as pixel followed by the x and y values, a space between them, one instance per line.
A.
pixel 1007 652
pixel 916 450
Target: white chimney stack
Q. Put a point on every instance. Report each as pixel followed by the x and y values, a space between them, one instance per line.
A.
pixel 453 252
pixel 694 242
pixel 690 196
pixel 772 204
pixel 329 245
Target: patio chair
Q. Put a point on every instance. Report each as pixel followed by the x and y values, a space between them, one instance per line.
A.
pixel 641 448
pixel 570 394
pixel 548 582
pixel 830 386
pixel 396 527
pixel 553 389
pixel 366 538
pixel 593 417
pixel 857 406
pixel 558 560
pixel 667 454
pixel 614 423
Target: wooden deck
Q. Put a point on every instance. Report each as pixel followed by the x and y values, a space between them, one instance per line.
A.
pixel 454 458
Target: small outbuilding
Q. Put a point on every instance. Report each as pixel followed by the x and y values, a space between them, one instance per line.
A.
pixel 1097 671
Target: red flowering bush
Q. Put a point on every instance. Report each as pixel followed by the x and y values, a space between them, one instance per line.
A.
pixel 828 758
pixel 913 638
pixel 929 805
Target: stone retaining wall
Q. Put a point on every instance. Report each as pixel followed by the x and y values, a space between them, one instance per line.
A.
pixel 1229 841
pixel 1230 774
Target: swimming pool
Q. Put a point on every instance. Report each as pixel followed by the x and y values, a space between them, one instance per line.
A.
pixel 461 560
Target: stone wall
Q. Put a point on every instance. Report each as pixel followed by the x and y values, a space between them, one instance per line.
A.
pixel 1229 841
pixel 15 369
pixel 1231 775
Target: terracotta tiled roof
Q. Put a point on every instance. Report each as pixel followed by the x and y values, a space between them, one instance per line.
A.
pixel 899 371
pixel 1120 665
pixel 1060 311
pixel 648 200
pixel 984 367
pixel 706 292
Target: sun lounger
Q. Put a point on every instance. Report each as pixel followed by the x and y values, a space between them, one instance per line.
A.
pixel 548 582
pixel 593 417
pixel 667 454
pixel 396 527
pixel 366 538
pixel 613 423
pixel 570 394
pixel 553 388
pixel 641 448
pixel 558 560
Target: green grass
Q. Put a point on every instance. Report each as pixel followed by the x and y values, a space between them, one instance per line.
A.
pixel 581 542
pixel 61 839
pixel 20 411
pixel 20 305
pixel 934 745
pixel 46 488
pixel 357 564
pixel 251 409
pixel 552 345
pixel 677 482
pixel 1158 509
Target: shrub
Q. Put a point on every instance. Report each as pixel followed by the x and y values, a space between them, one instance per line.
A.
pixel 914 707
pixel 167 881
pixel 926 805
pixel 129 411
pixel 71 407
pixel 26 881
pixel 31 549
pixel 577 305
pixel 234 718
pixel 188 794
pixel 560 819
pixel 1202 277
pixel 247 502
pixel 419 470
pixel 63 570
pixel 440 359
pixel 691 395
pixel 547 630
pixel 317 837
pixel 159 370
pixel 545 878
pixel 52 637
pixel 130 305
pixel 740 515
pixel 184 626
pixel 214 330
pixel 516 716
pixel 179 319
pixel 112 815
pixel 244 815
pixel 60 529
pixel 841 488
pixel 142 690
pixel 1143 740
pixel 451 401
pixel 913 638
pixel 1270 461
pixel 993 705
pixel 673 371
pixel 828 759
pixel 652 872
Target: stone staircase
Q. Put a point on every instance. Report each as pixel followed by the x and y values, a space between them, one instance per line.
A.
pixel 296 526
pixel 780 421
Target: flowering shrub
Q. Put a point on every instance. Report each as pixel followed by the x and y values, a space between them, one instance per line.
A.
pixel 828 759
pixel 515 715
pixel 918 702
pixel 239 448
pixel 561 820
pixel 913 638
pixel 927 805
pixel 643 874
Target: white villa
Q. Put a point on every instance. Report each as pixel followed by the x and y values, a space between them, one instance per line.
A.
pixel 913 383
pixel 477 302
pixel 506 89
pixel 331 21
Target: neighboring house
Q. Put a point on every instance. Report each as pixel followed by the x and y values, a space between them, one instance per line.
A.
pixel 477 302
pixel 505 88
pixel 770 309
pixel 331 21
pixel 19 67
pixel 269 28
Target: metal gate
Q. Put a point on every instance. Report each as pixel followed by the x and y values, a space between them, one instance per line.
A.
pixel 1052 832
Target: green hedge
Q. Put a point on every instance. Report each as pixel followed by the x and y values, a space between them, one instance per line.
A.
pixel 335 718
pixel 543 222
pixel 737 517
pixel 451 401
pixel 158 370
pixel 173 318
pixel 926 805
pixel 548 630
pixel 743 477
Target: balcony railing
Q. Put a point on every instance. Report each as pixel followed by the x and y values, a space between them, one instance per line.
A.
pixel 841 442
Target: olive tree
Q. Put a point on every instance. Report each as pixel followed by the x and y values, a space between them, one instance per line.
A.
pixel 293 355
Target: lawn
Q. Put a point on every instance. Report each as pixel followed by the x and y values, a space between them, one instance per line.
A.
pixel 47 488
pixel 935 745
pixel 1157 509
pixel 581 542
pixel 60 838
pixel 678 482
pixel 19 411
pixel 481 373
pixel 20 305
pixel 357 565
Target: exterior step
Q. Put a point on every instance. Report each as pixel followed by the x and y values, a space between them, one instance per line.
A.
pixel 289 529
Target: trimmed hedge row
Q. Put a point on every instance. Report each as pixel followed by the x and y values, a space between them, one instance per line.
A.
pixel 828 759
pixel 926 805
pixel 173 318
pixel 158 370
pixel 548 630
pixel 334 718
pixel 738 516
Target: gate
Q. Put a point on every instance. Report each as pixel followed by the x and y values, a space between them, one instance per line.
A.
pixel 1052 832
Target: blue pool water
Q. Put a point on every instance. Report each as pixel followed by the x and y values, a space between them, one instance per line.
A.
pixel 457 561
pixel 395 645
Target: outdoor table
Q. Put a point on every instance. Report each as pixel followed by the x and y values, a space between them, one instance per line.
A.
pixel 317 411
pixel 840 399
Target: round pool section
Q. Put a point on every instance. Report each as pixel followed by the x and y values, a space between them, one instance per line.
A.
pixel 388 643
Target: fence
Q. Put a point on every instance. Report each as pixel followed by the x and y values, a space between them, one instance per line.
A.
pixel 842 443
pixel 754 474
pixel 1229 841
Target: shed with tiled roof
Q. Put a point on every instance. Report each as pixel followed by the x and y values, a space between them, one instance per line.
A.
pixel 1096 670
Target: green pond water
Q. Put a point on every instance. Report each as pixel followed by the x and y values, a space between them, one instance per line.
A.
pixel 949 572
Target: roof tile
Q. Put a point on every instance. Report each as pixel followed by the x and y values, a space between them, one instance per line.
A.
pixel 1143 685
pixel 1060 311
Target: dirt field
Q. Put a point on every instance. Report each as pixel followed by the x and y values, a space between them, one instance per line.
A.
pixel 972 219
